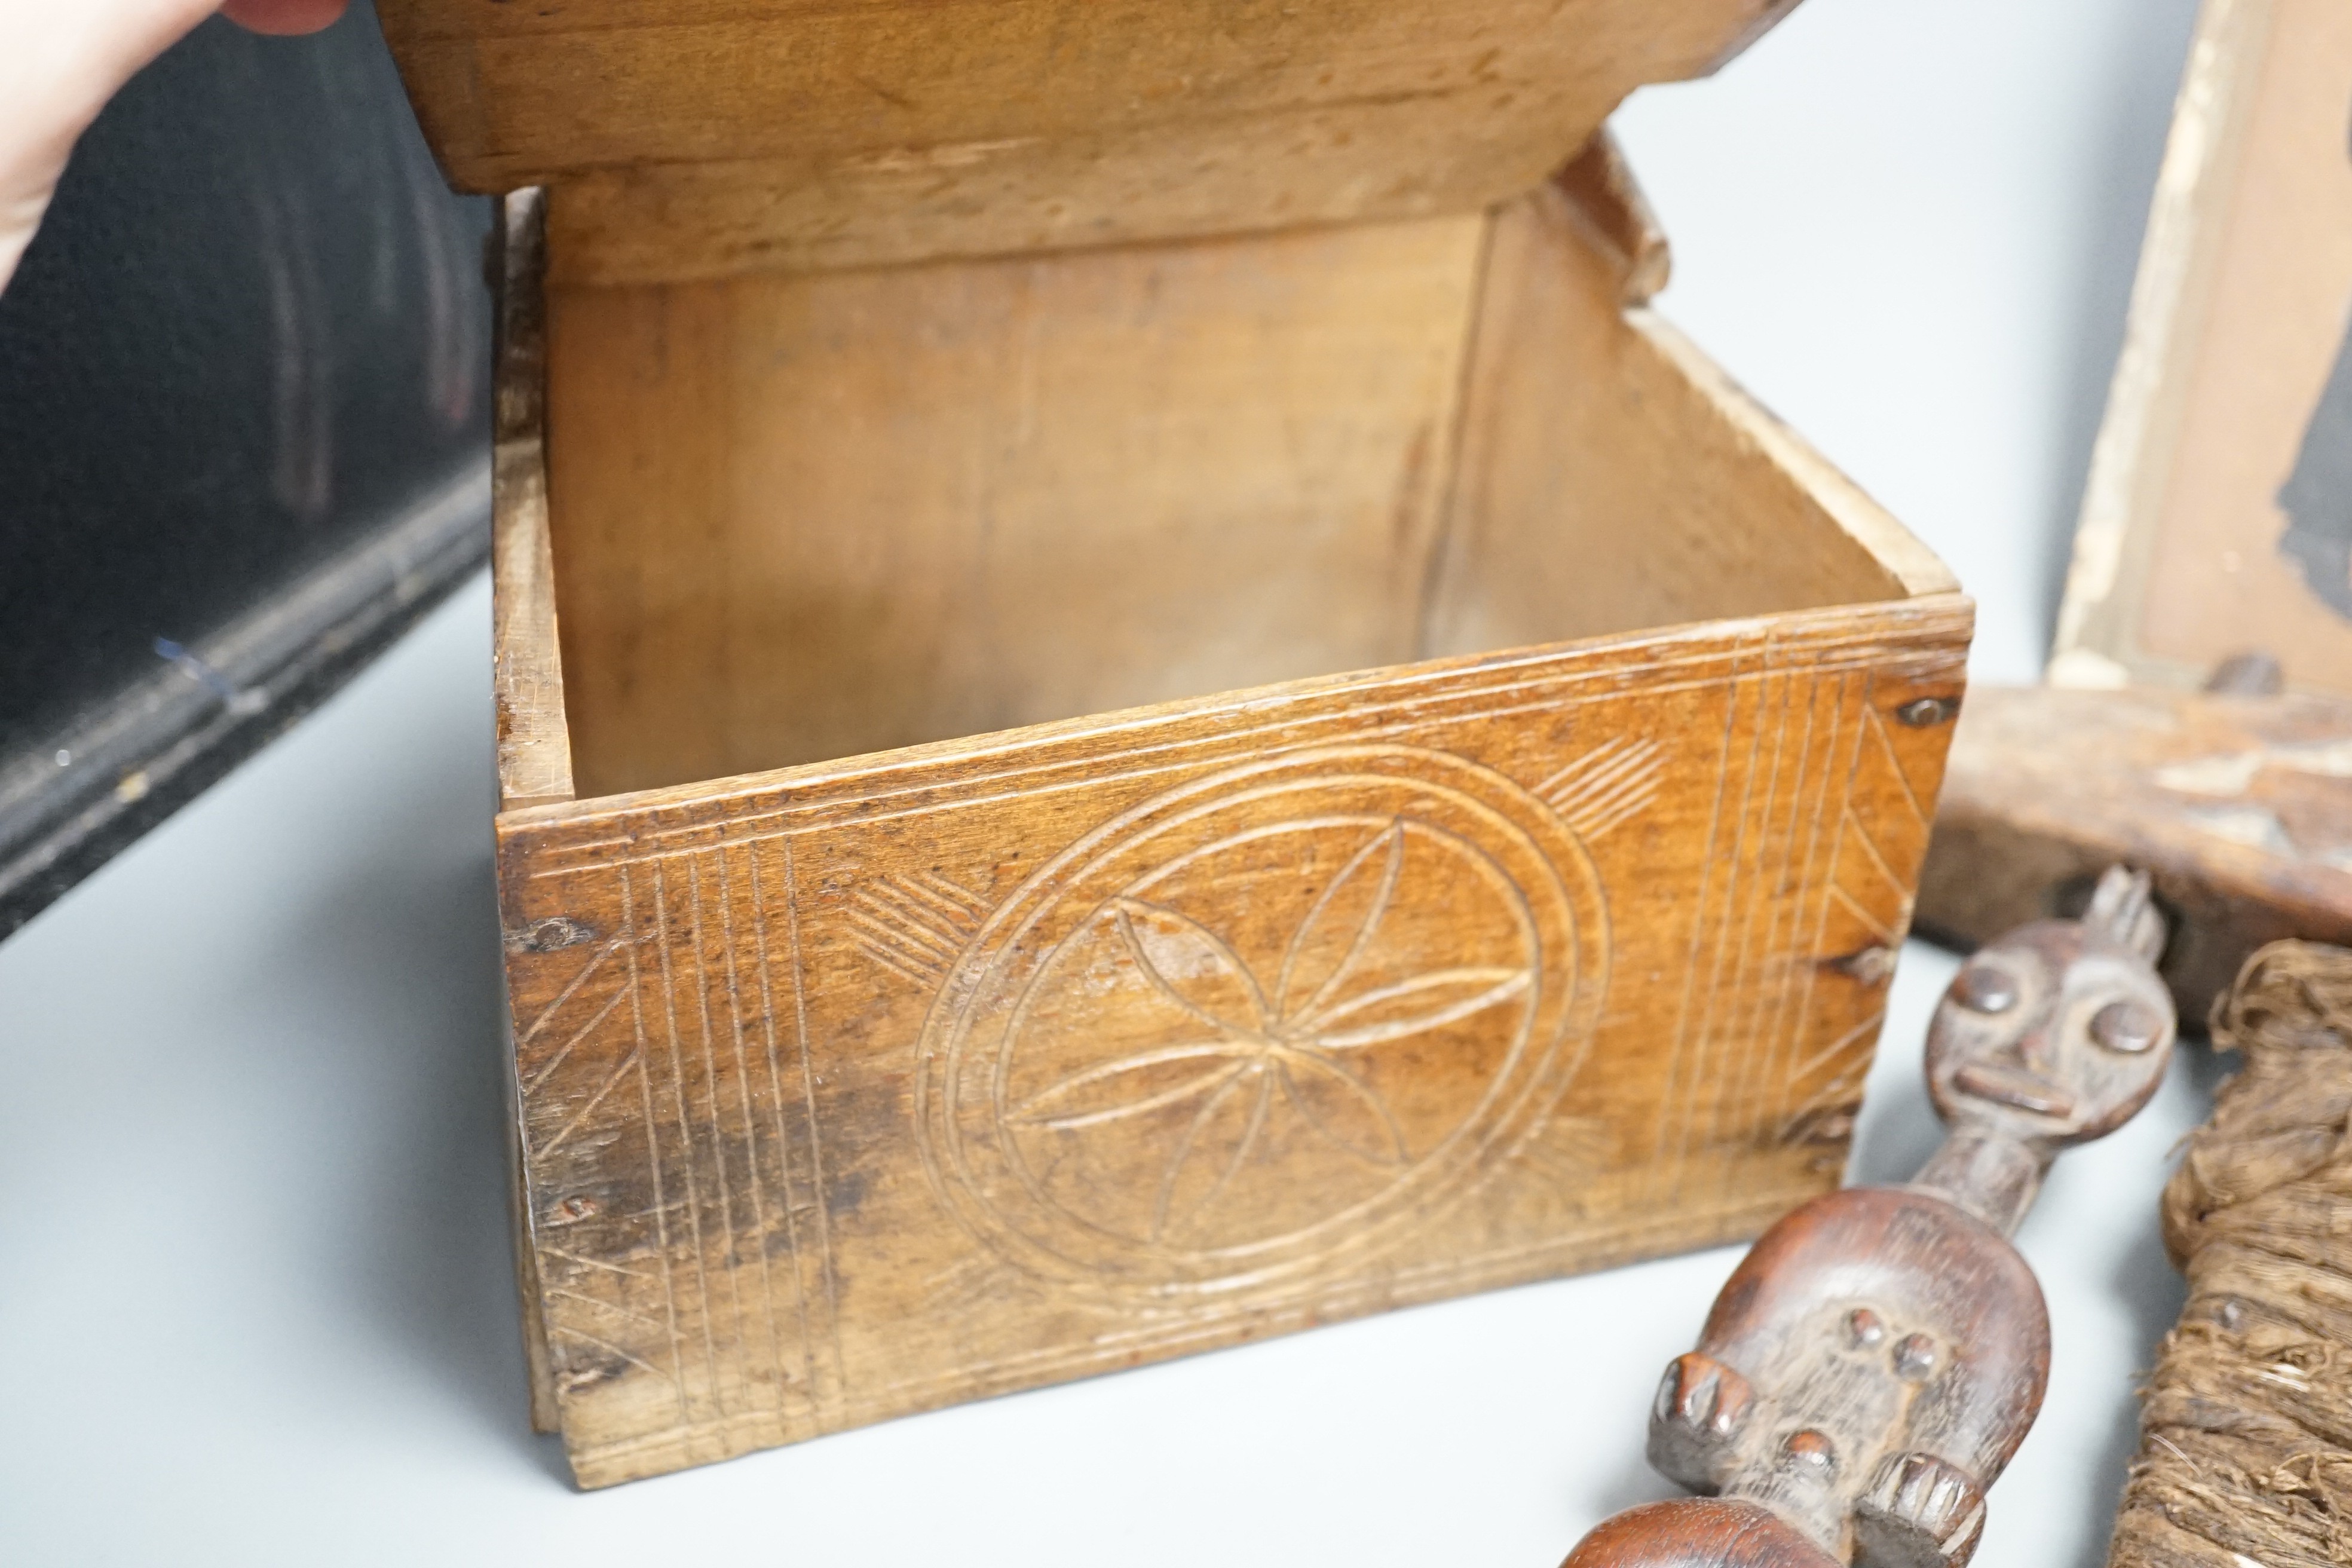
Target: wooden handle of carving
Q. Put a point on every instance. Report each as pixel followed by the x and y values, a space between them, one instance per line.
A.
pixel 1697 1532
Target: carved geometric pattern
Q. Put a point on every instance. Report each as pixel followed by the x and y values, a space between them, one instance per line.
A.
pixel 708 1155
pixel 1816 833
pixel 1604 787
pixel 1882 840
pixel 1202 1045
pixel 914 925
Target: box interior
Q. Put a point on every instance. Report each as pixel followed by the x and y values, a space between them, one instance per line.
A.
pixel 802 516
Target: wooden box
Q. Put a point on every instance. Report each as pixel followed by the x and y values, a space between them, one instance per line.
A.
pixel 1067 803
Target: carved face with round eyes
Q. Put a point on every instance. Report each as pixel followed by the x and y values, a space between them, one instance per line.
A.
pixel 2059 1029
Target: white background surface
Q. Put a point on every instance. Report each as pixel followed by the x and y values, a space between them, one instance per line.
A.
pixel 254 1285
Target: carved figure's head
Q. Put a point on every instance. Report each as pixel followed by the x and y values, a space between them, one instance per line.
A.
pixel 2060 1029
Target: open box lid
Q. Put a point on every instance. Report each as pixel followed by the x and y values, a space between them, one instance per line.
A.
pixel 696 138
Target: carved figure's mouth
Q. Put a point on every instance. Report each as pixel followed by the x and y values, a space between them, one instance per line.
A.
pixel 2008 1086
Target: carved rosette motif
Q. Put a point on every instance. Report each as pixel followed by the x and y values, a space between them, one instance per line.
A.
pixel 1290 1009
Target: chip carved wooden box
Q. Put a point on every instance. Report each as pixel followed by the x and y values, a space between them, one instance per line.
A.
pixel 1097 764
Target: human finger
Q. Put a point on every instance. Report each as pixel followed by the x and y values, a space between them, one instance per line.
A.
pixel 283 16
pixel 58 65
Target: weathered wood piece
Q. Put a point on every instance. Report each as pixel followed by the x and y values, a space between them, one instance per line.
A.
pixel 2246 1432
pixel 1874 1360
pixel 700 138
pixel 2239 808
pixel 2219 509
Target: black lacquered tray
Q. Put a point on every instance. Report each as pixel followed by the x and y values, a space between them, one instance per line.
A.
pixel 243 431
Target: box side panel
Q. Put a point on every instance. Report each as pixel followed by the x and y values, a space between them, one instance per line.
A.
pixel 1612 478
pixel 534 746
pixel 696 138
pixel 860 1091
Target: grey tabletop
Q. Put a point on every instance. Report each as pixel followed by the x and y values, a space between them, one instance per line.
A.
pixel 253 1276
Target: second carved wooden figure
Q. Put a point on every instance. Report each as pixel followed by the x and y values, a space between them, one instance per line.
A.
pixel 1876 1360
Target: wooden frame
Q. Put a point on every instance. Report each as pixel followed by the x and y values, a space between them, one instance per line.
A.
pixel 2187 551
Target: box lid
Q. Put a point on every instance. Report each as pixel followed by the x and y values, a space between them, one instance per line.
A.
pixel 700 137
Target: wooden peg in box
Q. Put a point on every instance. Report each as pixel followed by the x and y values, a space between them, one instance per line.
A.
pixel 1140 702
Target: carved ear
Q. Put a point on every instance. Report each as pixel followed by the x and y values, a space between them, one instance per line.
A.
pixel 1698 1532
pixel 2122 911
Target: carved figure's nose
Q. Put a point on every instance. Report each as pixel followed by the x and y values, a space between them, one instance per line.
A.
pixel 2019 1075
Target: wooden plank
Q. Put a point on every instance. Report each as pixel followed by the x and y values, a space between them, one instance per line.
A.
pixel 2147 395
pixel 2215 519
pixel 808 516
pixel 534 748
pixel 2239 807
pixel 708 136
pixel 867 1086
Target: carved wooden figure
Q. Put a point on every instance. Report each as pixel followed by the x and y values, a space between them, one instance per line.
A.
pixel 1878 1357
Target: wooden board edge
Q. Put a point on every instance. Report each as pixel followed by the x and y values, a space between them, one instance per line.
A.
pixel 1135 177
pixel 1769 15
pixel 1943 619
pixel 1606 204
pixel 2097 643
pixel 2230 871
pixel 1719 1223
pixel 517 935
pixel 537 1368
pixel 534 745
pixel 1912 569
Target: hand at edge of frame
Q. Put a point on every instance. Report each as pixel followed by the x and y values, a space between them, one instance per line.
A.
pixel 61 60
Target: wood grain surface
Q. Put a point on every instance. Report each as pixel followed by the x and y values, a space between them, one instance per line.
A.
pixel 808 516
pixel 2239 806
pixel 706 137
pixel 1698 1532
pixel 863 1087
pixel 1612 478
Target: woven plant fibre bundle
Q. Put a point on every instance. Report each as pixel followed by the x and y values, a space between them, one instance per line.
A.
pixel 2246 1456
